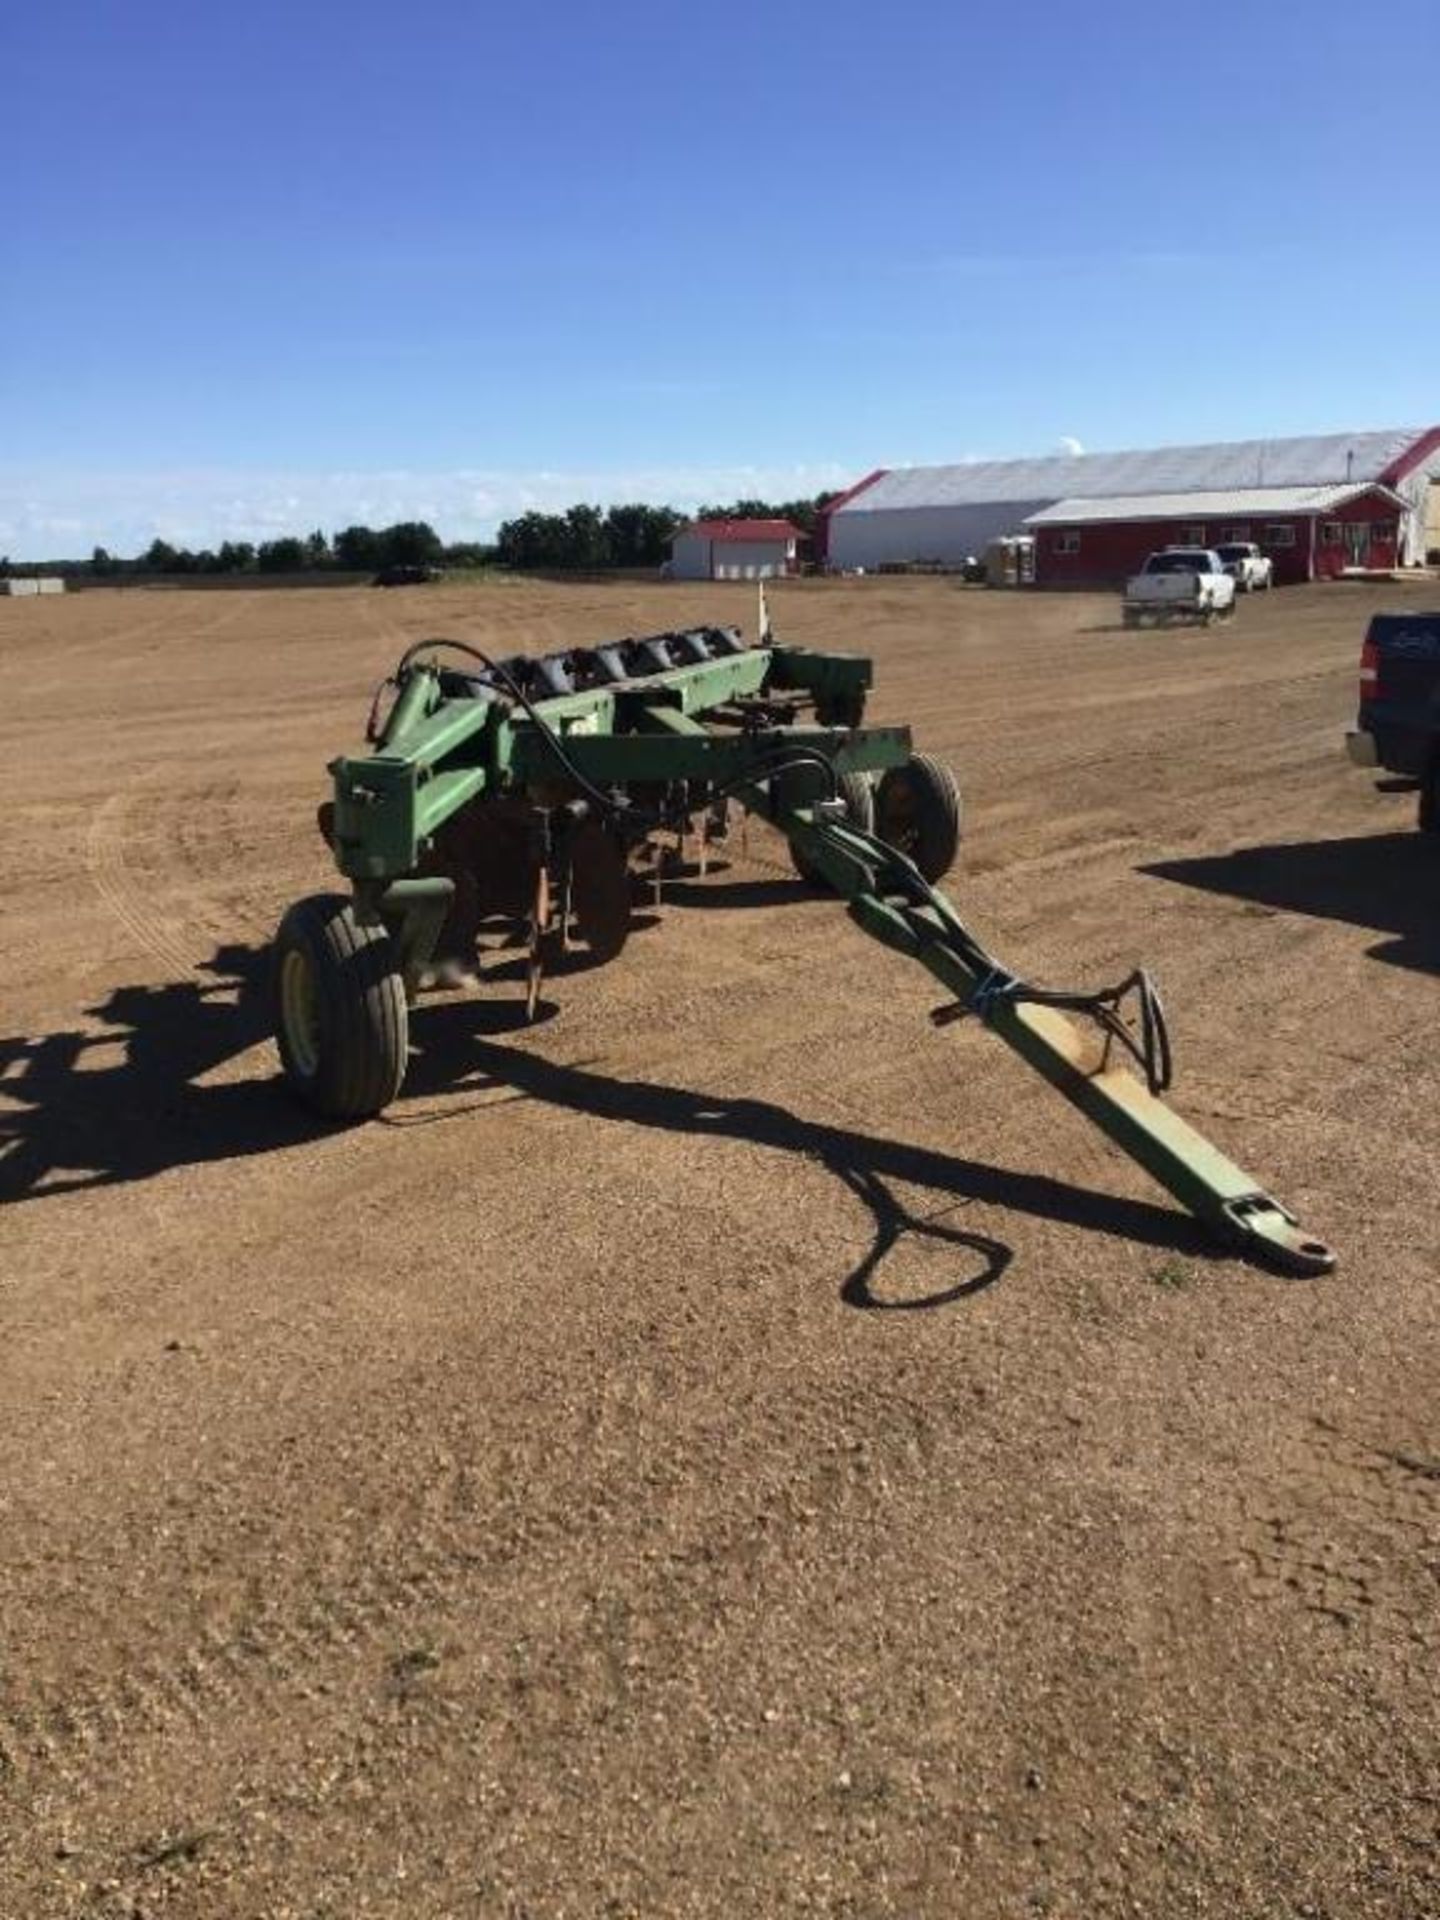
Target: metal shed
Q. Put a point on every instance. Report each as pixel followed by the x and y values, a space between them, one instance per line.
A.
pixel 27 589
pixel 949 513
pixel 734 550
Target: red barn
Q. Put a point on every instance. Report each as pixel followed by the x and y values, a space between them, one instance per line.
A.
pixel 1311 533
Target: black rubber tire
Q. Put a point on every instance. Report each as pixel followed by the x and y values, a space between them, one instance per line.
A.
pixel 859 797
pixel 918 812
pixel 600 890
pixel 1428 817
pixel 338 1006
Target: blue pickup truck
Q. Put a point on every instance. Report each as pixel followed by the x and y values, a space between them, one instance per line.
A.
pixel 1398 726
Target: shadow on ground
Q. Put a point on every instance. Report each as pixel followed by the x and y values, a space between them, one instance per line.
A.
pixel 1389 882
pixel 83 1109
pixel 777 891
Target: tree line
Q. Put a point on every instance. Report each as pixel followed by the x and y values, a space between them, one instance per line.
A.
pixel 584 539
pixel 354 550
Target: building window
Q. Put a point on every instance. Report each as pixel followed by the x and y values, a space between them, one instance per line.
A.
pixel 1194 537
pixel 1233 536
pixel 1279 534
pixel 1383 530
pixel 1330 534
pixel 1066 543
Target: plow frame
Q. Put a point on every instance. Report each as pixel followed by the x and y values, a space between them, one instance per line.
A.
pixel 700 718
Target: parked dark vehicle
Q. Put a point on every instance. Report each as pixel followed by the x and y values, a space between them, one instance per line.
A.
pixel 408 576
pixel 1398 726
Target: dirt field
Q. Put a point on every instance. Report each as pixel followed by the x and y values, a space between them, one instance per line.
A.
pixel 729 1449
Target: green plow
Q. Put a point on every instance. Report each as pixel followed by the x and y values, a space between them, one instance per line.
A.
pixel 521 806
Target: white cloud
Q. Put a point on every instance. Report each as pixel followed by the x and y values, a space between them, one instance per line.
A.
pixel 49 515
pixel 1069 444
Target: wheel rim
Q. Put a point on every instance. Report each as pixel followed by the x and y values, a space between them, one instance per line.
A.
pixel 300 1011
pixel 901 823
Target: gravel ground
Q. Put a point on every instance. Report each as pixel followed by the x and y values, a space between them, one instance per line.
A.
pixel 727 1449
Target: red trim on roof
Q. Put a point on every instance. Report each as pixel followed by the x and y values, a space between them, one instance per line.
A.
pixel 822 518
pixel 1412 457
pixel 738 530
pixel 844 499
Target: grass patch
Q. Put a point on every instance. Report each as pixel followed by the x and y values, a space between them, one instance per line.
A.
pixel 183 1848
pixel 1172 1276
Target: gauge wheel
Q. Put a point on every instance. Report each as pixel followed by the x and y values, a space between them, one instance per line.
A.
pixel 859 798
pixel 338 1003
pixel 918 812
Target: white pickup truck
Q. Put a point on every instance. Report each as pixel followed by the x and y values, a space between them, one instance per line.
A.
pixel 1250 569
pixel 1180 583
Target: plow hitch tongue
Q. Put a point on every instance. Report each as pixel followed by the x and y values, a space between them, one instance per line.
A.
pixel 1080 1042
pixel 1263 1229
pixel 529 800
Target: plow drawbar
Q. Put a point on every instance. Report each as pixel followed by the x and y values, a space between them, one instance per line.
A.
pixel 524 804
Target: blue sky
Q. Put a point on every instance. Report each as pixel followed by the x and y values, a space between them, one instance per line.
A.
pixel 271 267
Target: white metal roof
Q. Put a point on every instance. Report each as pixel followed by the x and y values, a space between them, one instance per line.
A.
pixel 1252 503
pixel 1313 461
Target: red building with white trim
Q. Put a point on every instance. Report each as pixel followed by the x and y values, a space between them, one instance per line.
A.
pixel 1310 533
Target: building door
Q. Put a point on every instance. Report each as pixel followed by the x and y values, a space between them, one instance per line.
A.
pixel 1357 542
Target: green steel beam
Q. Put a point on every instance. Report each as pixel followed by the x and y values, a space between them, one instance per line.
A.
pixel 710 683
pixel 888 899
pixel 839 681
pixel 438 753
pixel 721 758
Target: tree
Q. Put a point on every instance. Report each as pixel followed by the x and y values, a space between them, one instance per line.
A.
pixel 357 550
pixel 535 540
pixel 468 553
pixel 580 540
pixel 742 510
pixel 103 564
pixel 639 536
pixel 317 550
pixel 586 547
pixel 409 543
pixel 286 555
pixel 800 513
pixel 159 557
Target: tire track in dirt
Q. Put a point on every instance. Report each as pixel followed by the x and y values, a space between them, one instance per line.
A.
pixel 163 623
pixel 200 831
pixel 225 1666
pixel 360 1596
pixel 509 623
pixel 207 833
pixel 1351 1532
pixel 107 866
